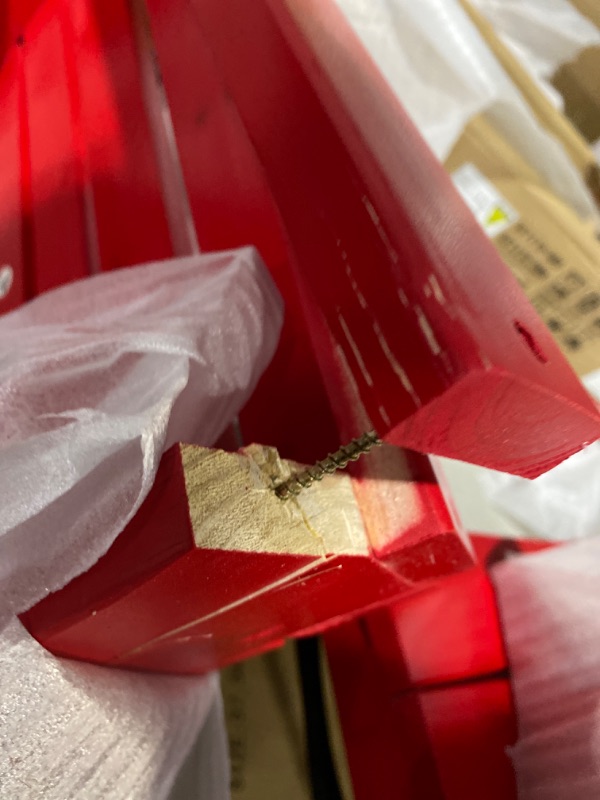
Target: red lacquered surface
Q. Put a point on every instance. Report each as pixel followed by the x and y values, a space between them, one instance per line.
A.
pixel 369 227
pixel 470 728
pixel 395 295
pixel 110 203
pixel 54 189
pixel 14 16
pixel 423 690
pixel 399 314
pixel 123 182
pixel 469 643
pixel 467 640
pixel 437 744
pixel 387 745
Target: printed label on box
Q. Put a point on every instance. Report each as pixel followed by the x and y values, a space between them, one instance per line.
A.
pixel 493 212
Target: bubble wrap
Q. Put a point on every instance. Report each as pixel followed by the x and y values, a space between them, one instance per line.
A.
pixel 74 730
pixel 97 379
pixel 550 607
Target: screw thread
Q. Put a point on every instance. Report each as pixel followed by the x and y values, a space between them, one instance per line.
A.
pixel 333 462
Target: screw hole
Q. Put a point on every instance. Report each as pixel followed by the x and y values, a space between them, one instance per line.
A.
pixel 530 342
pixel 20 41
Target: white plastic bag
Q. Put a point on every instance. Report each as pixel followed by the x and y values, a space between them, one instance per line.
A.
pixel 444 74
pixel 543 34
pixel 550 609
pixel 97 379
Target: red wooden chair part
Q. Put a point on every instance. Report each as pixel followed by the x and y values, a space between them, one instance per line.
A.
pixel 423 690
pixel 132 134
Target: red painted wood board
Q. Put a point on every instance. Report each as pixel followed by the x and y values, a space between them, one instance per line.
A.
pixel 232 204
pixel 380 250
pixel 469 644
pixel 471 726
pixel 99 118
pixel 386 740
pixel 415 322
pixel 56 243
pixel 449 632
pixel 158 600
pixel 92 194
pixel 125 191
pixel 423 689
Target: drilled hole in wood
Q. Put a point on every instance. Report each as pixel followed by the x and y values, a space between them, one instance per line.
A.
pixel 530 342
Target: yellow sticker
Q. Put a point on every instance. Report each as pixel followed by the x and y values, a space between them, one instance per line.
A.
pixel 491 210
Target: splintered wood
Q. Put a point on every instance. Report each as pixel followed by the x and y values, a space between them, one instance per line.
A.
pixel 233 505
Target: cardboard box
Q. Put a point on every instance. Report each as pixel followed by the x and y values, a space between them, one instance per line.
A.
pixel 589 9
pixel 578 81
pixel 552 252
pixel 267 732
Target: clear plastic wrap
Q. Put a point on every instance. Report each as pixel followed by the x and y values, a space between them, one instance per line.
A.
pixel 543 33
pixel 549 603
pixel 97 379
pixel 444 74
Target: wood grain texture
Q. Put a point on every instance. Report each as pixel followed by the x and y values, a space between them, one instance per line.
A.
pixel 233 505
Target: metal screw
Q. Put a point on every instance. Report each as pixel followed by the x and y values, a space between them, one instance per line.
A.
pixel 334 461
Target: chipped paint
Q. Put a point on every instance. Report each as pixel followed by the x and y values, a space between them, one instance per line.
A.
pixel 437 290
pixel 403 298
pixel 403 377
pixel 362 420
pixel 363 367
pixel 385 416
pixel 391 251
pixel 355 288
pixel 362 300
pixel 428 331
